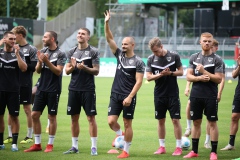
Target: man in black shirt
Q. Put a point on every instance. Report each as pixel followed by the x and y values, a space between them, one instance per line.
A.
pixel 51 61
pixel 83 64
pixel 128 80
pixel 235 109
pixel 205 72
pixel 29 52
pixel 163 67
pixel 11 63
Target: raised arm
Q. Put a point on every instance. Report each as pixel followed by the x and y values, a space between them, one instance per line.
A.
pixel 108 33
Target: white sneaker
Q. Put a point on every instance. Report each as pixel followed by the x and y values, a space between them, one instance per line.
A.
pixel 187 132
pixel 228 147
pixel 207 146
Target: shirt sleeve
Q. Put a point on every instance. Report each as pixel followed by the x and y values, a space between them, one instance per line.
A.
pixel 62 58
pixel 149 62
pixel 96 57
pixel 140 66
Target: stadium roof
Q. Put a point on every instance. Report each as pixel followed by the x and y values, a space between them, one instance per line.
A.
pixel 168 4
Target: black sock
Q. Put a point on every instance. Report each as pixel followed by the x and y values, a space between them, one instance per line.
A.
pixel 214 146
pixel 195 144
pixel 232 140
pixel 15 138
pixel 1 138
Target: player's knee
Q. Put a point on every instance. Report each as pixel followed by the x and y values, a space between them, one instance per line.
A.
pixel 235 118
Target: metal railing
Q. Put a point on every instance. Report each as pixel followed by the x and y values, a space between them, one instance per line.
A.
pixel 71 19
pixel 185 46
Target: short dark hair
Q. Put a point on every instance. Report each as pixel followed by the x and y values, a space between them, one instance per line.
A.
pixel 87 30
pixel 54 35
pixel 6 33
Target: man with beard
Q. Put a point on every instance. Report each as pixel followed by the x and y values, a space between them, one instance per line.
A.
pixel 83 65
pixel 205 72
pixel 29 52
pixel 128 80
pixel 11 63
pixel 50 65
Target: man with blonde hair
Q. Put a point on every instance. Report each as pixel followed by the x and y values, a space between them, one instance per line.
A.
pixel 163 66
pixel 205 72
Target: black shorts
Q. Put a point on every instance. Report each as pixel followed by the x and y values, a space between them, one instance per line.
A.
pixel 25 95
pixel 116 106
pixel 203 105
pixel 172 104
pixel 11 100
pixel 236 105
pixel 50 99
pixel 87 100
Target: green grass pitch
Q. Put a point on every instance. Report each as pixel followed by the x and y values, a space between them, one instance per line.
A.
pixel 145 139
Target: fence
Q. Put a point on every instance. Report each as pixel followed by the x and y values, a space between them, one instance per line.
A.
pixel 185 46
pixel 71 19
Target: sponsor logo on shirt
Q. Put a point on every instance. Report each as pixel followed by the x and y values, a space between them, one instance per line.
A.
pixel 11 67
pixel 155 60
pixel 2 53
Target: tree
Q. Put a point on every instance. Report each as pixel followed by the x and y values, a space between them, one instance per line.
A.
pixel 20 8
pixel 101 7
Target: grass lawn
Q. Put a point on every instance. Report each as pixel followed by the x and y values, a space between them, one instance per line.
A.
pixel 145 139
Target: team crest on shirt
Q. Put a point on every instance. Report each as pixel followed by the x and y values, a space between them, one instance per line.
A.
pixel 24 50
pixel 169 59
pixel 86 52
pixel 54 54
pixel 119 66
pixel 210 59
pixel 131 61
pixel 13 54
